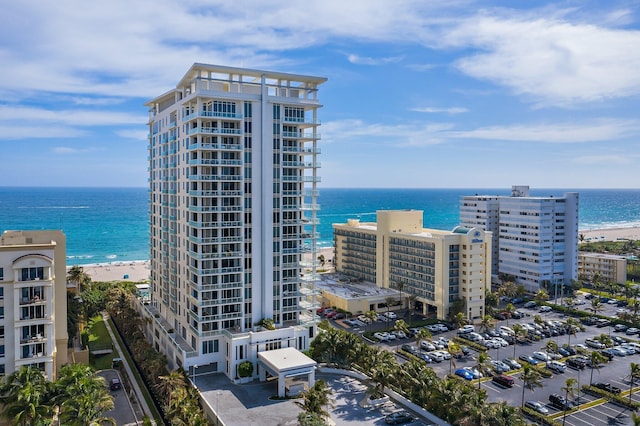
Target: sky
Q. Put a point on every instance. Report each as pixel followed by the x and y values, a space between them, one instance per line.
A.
pixel 420 93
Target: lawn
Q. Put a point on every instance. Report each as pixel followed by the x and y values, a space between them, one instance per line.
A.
pixel 99 338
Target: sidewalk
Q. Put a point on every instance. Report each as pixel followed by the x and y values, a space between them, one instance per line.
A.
pixel 134 384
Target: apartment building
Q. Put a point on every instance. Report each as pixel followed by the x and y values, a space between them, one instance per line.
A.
pixel 33 301
pixel 537 237
pixel 233 175
pixel 609 267
pixel 437 267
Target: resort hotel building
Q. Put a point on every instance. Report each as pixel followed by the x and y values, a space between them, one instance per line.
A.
pixel 437 268
pixel 33 301
pixel 233 217
pixel 607 267
pixel 536 242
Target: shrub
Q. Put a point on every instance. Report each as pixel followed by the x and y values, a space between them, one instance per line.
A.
pixel 245 369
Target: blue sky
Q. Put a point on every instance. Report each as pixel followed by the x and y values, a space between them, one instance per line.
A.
pixel 457 93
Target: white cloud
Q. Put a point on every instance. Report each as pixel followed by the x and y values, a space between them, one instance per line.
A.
pixel 413 134
pixel 363 60
pixel 554 61
pixel 79 118
pixel 133 134
pixel 599 130
pixel 34 131
pixel 450 110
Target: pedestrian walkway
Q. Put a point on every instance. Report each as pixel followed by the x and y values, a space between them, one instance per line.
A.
pixel 141 408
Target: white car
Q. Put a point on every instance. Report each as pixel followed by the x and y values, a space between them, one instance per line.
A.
pixel 400 334
pixel 382 336
pixel 545 309
pixel 427 346
pixel 436 356
pixel 594 344
pixel 579 302
pixel 445 354
pixel 541 356
pixel 364 319
pixel 391 315
pixel 466 329
pixel 629 348
pixel 392 336
pixel 558 367
pixel 502 342
pixel 507 330
pixel 474 371
pixel 619 351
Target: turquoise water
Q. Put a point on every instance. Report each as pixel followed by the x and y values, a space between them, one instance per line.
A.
pixel 111 224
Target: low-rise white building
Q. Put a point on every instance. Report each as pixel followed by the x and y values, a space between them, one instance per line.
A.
pixel 609 267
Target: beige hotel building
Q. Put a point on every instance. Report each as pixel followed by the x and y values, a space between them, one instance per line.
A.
pixel 438 267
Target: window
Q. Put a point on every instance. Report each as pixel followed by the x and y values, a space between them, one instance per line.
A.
pixel 210 347
pixel 1 331
pixel 1 293
pixel 1 274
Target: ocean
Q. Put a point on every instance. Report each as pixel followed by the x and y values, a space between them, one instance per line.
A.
pixel 111 224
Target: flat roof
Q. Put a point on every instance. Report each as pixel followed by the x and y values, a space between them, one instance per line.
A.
pixel 285 359
pixel 343 287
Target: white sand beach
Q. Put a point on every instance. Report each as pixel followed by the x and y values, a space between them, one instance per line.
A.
pixel 118 271
pixel 610 234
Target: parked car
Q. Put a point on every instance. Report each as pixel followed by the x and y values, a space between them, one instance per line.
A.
pixel 517 315
pixel 466 329
pixel 391 315
pixel 602 323
pixel 576 363
pixel 557 366
pixel 476 373
pixel 427 346
pixel 537 406
pixel 467 375
pixel 631 331
pixel 114 384
pixel 500 367
pixel 563 352
pixel 530 304
pixel 436 356
pixel 399 417
pixel 544 309
pixel 594 344
pixel 381 336
pixel 559 401
pixel 539 355
pixel 426 358
pixel 607 387
pixel 504 380
pixel 527 358
pixel 512 363
pixel 364 319
pixel 409 348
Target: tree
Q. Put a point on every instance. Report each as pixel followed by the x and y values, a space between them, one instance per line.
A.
pixel 322 259
pixel 315 399
pixel 518 331
pixel 371 316
pixel 422 335
pixel 596 305
pixel 531 379
pixel 595 358
pixel 509 309
pixel 482 364
pixel 24 396
pixel 383 369
pixel 77 276
pixel 487 323
pixel 412 298
pixel 400 325
pixel 634 373
pixel 459 320
pixel 490 301
pixel 571 324
pixel 551 346
pixel 455 351
pixel 508 289
pixel 570 387
pixel 605 339
pixel 541 297
pixel 389 301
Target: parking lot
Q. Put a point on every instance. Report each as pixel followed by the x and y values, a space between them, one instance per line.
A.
pixel 615 372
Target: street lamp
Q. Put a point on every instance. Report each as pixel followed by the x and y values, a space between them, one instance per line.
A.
pixel 195 368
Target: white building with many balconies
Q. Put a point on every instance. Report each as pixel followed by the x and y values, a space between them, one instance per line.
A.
pixel 233 211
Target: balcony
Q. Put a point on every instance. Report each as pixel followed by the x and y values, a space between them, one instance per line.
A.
pixel 213 114
pixel 300 136
pixel 214 131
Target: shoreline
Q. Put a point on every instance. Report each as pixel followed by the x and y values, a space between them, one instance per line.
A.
pixel 139 270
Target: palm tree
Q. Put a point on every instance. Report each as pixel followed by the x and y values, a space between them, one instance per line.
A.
pixel 635 372
pixel 509 309
pixel 459 320
pixel 551 346
pixel 169 383
pixel 77 276
pixel 315 399
pixel 596 358
pixel 541 297
pixel 87 409
pixel 422 335
pixel 518 331
pixel 487 323
pixel 490 301
pixel 454 350
pixel 570 388
pixel 400 325
pixel 596 305
pixel 571 324
pixel 508 289
pixel 371 316
pixel 605 339
pixel 412 298
pixel 531 379
pixel 24 397
pixel 388 301
pixel 482 364
pixel 383 371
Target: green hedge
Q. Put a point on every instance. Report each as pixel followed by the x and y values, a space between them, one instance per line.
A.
pixel 616 399
pixel 539 418
pixel 469 343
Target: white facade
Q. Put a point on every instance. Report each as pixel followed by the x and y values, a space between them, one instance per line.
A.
pixel 33 302
pixel 537 236
pixel 233 175
pixel 483 211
